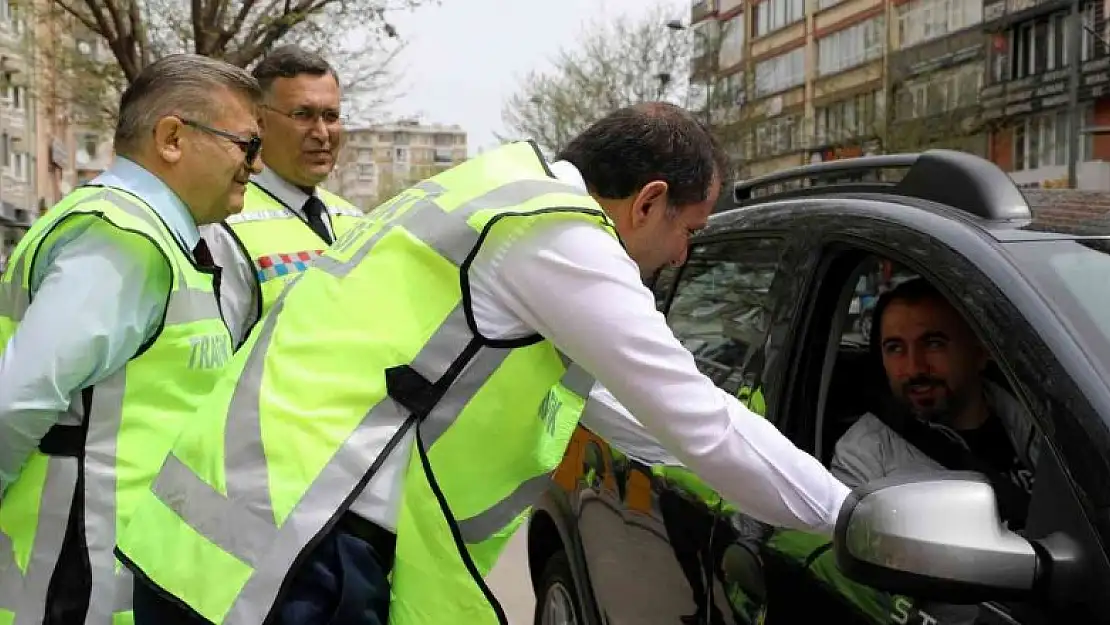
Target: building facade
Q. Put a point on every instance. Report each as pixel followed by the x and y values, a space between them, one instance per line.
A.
pixel 803 81
pixel 18 142
pixel 377 161
pixel 37 117
pixel 1027 99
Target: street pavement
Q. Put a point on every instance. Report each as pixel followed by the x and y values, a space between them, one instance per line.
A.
pixel 511 582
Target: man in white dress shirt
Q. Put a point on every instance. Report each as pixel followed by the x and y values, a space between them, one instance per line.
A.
pixel 460 420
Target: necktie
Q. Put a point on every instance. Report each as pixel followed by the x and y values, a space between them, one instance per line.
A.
pixel 314 214
pixel 203 255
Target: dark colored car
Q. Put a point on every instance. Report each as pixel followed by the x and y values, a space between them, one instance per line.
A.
pixel 774 303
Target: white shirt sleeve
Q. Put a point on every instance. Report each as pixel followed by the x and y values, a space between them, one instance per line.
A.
pixel 606 417
pixel 574 284
pixel 238 281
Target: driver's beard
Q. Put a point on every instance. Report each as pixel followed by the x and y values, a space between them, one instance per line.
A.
pixel 944 411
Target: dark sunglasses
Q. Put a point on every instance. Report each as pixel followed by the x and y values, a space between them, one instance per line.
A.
pixel 250 147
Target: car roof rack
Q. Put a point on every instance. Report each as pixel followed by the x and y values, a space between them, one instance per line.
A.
pixel 958 179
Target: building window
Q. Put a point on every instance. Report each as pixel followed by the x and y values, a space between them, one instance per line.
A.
pixel 442 156
pixel 771 15
pixel 852 46
pixel 401 155
pixel 705 36
pixel 1042 140
pixel 923 20
pixel 18 168
pixel 778 136
pixel 366 172
pixel 1041 45
pixel 732 42
pixel 858 116
pixel 780 73
pixel 940 92
pixel 732 90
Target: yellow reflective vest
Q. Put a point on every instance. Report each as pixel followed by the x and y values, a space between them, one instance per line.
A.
pixel 280 244
pixel 102 454
pixel 375 339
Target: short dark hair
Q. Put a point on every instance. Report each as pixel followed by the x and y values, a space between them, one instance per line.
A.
pixel 178 84
pixel 290 61
pixel 914 290
pixel 630 147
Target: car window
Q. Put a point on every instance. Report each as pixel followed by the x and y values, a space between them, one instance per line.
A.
pixel 878 419
pixel 721 305
pixel 1072 275
pixel 661 286
pixel 927 404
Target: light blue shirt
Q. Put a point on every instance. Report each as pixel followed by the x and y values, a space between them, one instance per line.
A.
pixel 94 304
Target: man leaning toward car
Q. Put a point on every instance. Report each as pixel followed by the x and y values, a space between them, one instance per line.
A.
pixel 405 401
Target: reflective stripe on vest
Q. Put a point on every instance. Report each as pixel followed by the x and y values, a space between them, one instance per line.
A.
pixel 242 512
pixel 130 423
pixel 279 243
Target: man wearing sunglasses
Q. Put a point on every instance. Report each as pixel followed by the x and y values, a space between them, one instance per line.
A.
pixel 287 220
pixel 110 333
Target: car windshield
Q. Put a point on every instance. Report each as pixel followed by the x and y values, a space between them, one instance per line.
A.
pixel 1072 275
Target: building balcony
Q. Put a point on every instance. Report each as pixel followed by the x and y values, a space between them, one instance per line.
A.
pixel 1000 14
pixel 1045 91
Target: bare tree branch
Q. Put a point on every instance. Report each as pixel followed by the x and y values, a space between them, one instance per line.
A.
pixel 239 31
pixel 614 64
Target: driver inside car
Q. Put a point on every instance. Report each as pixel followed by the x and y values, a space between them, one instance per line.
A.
pixel 941 411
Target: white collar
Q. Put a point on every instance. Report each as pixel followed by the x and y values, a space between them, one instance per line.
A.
pixel 565 171
pixel 282 190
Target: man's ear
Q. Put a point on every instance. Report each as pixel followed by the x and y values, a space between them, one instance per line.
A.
pixel 168 139
pixel 651 199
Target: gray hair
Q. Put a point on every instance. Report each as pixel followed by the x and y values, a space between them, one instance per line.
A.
pixel 290 61
pixel 178 84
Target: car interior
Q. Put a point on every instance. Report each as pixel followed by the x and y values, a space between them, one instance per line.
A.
pixel 852 380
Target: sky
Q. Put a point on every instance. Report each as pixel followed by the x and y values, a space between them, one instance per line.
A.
pixel 464 58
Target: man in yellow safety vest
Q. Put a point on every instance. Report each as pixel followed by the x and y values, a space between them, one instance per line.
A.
pixel 111 335
pixel 385 429
pixel 288 219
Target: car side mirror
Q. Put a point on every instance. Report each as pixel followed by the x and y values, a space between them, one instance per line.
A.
pixel 936 536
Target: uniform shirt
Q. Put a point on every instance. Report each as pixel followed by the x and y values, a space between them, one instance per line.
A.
pixel 238 298
pixel 95 303
pixel 541 282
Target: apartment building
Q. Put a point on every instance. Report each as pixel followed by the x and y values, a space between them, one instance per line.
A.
pixel 377 161
pixel 799 80
pixel 1026 96
pixel 814 80
pixel 37 140
pixel 53 101
pixel 17 128
pixel 935 74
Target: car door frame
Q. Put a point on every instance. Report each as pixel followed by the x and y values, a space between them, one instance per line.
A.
pixel 1037 325
pixel 791 279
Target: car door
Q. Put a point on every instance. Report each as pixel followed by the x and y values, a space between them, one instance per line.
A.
pixel 674 536
pixel 610 492
pixel 803 583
